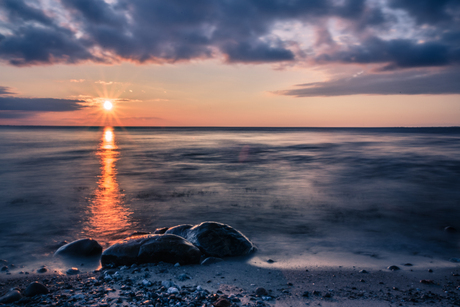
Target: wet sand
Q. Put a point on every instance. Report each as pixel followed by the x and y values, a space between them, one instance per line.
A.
pixel 237 283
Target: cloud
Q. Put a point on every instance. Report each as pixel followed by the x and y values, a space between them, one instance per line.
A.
pixel 5 91
pixel 401 83
pixel 39 104
pixel 15 114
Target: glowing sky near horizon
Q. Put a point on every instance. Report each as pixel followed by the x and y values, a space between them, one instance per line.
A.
pixel 240 63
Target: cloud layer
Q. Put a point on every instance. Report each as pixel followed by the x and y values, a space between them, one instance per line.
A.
pixel 387 35
pixel 245 31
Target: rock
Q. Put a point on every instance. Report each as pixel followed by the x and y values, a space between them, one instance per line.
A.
pixel 306 294
pixel 80 248
pixel 35 288
pixel 42 270
pixel 4 268
pixel 219 240
pixel 222 302
pixel 211 260
pixel 261 292
pixel 450 229
pixel 10 297
pixel 151 248
pixel 393 268
pixel 160 231
pixel 183 277
pixel 271 261
pixel 408 264
pixel 173 290
pixel 73 271
pixel 181 230
pixel 363 271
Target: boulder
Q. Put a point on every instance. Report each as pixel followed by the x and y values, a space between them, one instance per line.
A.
pixel 180 230
pixel 80 248
pixel 10 297
pixel 219 240
pixel 35 288
pixel 151 248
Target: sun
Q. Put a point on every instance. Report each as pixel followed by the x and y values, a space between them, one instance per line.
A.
pixel 108 105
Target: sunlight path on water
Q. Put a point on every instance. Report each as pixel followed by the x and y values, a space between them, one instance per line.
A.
pixel 109 218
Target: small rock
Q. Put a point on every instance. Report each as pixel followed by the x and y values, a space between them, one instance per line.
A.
pixel 430 270
pixel 35 288
pixel 222 302
pixel 393 268
pixel 73 271
pixel 407 264
pixel 450 229
pixel 271 261
pixel 211 260
pixel 306 294
pixel 427 281
pixel 183 277
pixel 363 271
pixel 261 292
pixel 42 270
pixel 146 283
pixel 173 290
pixel 4 268
pixel 10 297
pixel 177 264
pixel 80 248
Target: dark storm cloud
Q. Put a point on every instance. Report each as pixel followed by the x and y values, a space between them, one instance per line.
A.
pixel 15 114
pixel 39 104
pixel 154 30
pixel 429 11
pixel 401 83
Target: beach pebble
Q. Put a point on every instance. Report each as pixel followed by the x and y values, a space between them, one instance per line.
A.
pixel 183 277
pixel 151 249
pixel 10 297
pixel 261 292
pixel 306 294
pixel 42 270
pixel 4 268
pixel 271 261
pixel 173 290
pixel 222 302
pixel 146 282
pixel 80 248
pixel 393 268
pixel 72 271
pixel 35 288
pixel 363 271
pixel 211 260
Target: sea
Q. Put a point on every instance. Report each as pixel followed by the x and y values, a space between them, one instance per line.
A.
pixel 304 196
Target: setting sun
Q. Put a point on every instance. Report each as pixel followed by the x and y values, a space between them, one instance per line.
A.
pixel 108 105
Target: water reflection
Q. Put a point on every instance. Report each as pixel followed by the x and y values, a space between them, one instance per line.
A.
pixel 109 219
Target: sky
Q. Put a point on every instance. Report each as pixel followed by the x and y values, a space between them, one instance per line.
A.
pixel 251 63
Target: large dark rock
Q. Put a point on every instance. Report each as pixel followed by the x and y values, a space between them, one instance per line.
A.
pixel 151 248
pixel 219 240
pixel 80 248
pixel 35 288
pixel 10 297
pixel 180 230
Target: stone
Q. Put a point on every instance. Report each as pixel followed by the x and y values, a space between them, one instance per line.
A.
pixel 42 270
pixel 180 230
pixel 211 260
pixel 261 292
pixel 73 271
pixel 4 268
pixel 10 297
pixel 219 240
pixel 393 268
pixel 160 231
pixel 183 277
pixel 80 248
pixel 222 302
pixel 35 288
pixel 151 248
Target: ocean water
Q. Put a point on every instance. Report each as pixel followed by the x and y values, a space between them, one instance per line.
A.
pixel 328 196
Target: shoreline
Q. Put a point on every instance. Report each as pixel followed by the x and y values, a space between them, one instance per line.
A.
pixel 236 282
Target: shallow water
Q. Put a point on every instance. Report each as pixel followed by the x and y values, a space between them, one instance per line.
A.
pixel 311 194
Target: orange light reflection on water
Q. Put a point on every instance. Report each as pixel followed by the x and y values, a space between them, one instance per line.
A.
pixel 109 219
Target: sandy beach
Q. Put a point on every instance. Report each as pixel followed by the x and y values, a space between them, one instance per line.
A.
pixel 237 283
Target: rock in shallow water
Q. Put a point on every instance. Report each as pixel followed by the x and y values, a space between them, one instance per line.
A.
pixel 80 248
pixel 219 240
pixel 35 288
pixel 151 249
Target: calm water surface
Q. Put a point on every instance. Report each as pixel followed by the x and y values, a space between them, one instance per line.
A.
pixel 299 194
